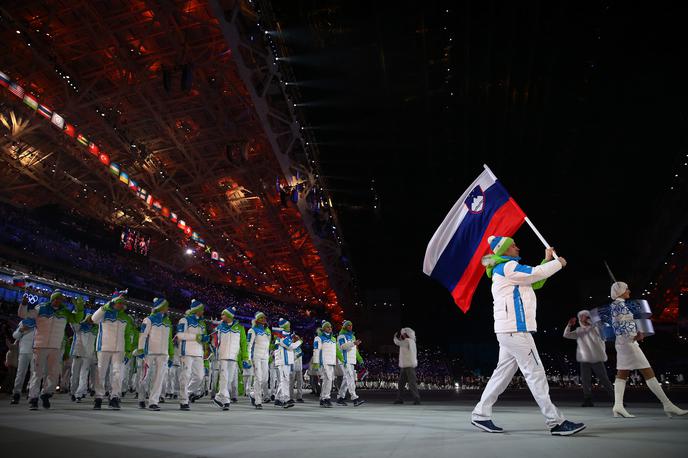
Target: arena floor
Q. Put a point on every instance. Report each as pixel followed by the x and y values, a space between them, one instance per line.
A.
pixel 438 428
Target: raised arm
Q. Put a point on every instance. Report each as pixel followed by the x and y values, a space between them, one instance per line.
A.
pixel 521 274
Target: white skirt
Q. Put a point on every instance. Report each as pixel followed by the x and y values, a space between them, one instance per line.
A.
pixel 629 356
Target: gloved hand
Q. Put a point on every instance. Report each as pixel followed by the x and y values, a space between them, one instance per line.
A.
pixel 138 352
pixel 126 359
pixel 246 365
pixel 315 366
pixel 202 338
pixel 169 363
pixel 79 303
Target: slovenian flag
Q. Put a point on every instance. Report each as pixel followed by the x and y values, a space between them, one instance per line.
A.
pixel 454 253
pixel 19 281
pixel 44 111
pixel 4 80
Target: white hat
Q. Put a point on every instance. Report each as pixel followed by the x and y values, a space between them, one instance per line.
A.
pixel 618 289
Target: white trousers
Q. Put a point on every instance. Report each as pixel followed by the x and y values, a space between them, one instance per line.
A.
pixel 157 367
pixel 46 367
pixel 228 371
pixel 327 374
pixel 274 379
pixel 348 381
pixel 173 380
pixel 191 376
pixel 234 383
pixel 296 381
pixel 81 368
pixel 284 374
pixel 114 361
pixel 517 351
pixel 25 361
pixel 261 372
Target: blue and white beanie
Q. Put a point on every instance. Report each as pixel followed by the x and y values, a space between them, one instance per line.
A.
pixel 159 303
pixel 230 312
pixel 195 307
pixel 499 244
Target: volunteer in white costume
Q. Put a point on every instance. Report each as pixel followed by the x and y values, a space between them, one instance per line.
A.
pixel 629 356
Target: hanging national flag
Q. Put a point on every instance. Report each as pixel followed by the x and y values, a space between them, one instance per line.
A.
pixel 173 217
pixel 453 256
pixel 124 177
pixel 214 256
pixel 70 130
pixel 4 80
pixel 19 281
pixel 181 224
pixel 157 206
pixel 149 199
pixel 200 243
pixel 16 90
pixel 104 158
pixel 83 140
pixel 133 185
pixel 44 111
pixel 165 212
pixel 194 236
pixel 114 169
pixel 93 148
pixel 143 194
pixel 188 230
pixel 30 101
pixel 58 121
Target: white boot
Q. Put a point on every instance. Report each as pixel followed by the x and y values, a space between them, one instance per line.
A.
pixel 669 407
pixel 618 409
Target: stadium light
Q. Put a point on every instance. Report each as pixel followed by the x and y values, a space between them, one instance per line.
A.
pixel 189 251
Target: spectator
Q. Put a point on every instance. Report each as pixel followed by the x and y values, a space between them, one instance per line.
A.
pixel 408 361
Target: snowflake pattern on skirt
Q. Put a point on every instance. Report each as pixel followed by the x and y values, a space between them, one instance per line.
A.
pixel 622 320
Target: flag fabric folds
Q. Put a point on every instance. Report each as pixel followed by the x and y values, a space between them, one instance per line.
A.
pixel 453 256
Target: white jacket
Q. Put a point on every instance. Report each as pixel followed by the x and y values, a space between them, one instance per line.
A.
pixel 187 330
pixel 24 339
pixel 515 304
pixel 154 336
pixel 114 330
pixel 589 344
pixel 50 323
pixel 229 341
pixel 348 348
pixel 258 341
pixel 84 342
pixel 407 349
pixel 284 352
pixel 324 350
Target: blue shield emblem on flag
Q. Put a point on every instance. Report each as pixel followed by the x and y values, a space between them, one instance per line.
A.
pixel 475 200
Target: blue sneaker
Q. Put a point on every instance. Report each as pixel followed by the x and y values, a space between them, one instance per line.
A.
pixel 567 428
pixel 487 425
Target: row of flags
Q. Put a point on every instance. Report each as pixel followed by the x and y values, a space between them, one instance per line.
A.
pixel 115 169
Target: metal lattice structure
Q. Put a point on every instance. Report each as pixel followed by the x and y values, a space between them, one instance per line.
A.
pixel 186 96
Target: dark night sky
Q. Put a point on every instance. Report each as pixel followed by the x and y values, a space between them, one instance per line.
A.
pixel 580 110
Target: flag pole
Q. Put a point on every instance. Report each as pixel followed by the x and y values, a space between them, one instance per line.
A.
pixel 611 275
pixel 530 223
